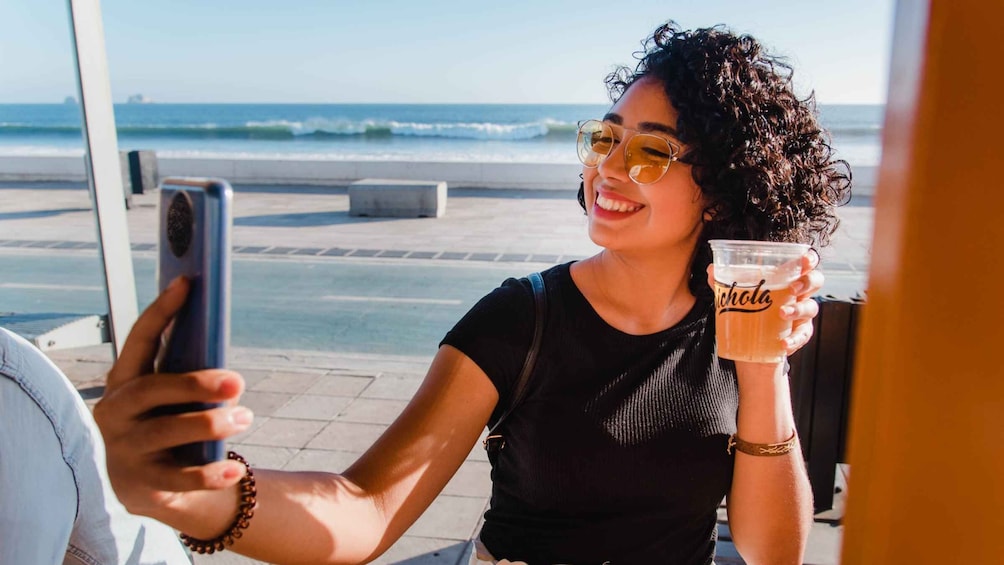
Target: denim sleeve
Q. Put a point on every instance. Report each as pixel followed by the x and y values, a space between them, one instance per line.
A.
pixel 31 480
pixel 56 503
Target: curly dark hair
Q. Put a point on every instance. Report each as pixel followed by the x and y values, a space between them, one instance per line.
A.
pixel 757 151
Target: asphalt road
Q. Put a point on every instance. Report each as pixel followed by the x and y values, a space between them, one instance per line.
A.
pixel 337 305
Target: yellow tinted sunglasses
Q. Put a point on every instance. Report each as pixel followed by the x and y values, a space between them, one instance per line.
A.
pixel 647 157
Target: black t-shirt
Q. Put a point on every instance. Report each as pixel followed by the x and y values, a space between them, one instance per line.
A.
pixel 618 450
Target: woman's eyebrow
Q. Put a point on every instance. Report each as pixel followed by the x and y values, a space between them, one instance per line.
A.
pixel 655 126
pixel 644 126
pixel 615 118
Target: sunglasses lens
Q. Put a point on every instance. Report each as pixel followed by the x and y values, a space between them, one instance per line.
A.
pixel 647 158
pixel 594 142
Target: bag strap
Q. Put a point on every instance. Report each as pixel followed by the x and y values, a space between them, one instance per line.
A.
pixel 495 441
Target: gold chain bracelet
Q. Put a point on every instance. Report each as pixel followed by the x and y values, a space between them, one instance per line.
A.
pixel 245 511
pixel 761 449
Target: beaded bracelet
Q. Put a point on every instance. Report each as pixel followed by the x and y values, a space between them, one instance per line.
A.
pixel 248 501
pixel 760 449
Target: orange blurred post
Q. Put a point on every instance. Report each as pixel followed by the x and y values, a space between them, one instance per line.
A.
pixel 927 429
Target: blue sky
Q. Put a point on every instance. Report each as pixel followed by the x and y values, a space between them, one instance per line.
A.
pixel 420 51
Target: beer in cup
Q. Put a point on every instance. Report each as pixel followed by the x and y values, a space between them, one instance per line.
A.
pixel 752 280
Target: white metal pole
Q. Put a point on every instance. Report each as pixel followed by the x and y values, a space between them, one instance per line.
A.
pixel 104 175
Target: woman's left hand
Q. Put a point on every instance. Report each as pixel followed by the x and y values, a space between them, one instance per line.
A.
pixel 804 309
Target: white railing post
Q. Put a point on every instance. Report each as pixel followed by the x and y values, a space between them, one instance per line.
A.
pixel 104 175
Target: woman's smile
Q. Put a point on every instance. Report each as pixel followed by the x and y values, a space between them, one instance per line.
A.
pixel 616 205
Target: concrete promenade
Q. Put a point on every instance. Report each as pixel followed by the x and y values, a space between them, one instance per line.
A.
pixel 321 410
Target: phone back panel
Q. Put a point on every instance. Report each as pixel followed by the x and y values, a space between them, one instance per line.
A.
pixel 195 226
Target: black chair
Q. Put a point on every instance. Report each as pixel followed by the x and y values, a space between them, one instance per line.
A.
pixel 821 376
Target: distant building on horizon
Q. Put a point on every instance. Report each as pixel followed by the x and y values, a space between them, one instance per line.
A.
pixel 139 99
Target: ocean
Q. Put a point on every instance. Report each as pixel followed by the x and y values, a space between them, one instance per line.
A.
pixel 530 133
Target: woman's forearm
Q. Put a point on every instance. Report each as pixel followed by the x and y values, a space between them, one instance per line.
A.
pixel 300 517
pixel 770 503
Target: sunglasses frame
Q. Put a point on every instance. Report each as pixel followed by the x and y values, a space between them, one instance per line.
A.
pixel 674 149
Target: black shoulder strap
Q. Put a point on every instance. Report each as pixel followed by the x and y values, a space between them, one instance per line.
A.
pixel 495 441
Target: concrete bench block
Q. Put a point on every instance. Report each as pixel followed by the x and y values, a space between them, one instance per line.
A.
pixel 397 198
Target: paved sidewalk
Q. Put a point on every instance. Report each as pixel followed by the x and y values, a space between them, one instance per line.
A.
pixel 317 410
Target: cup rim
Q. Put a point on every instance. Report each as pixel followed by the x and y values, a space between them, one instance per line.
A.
pixel 755 244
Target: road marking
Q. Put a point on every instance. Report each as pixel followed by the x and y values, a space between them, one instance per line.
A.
pixel 396 300
pixel 33 286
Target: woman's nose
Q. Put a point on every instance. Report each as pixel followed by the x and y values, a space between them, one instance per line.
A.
pixel 614 166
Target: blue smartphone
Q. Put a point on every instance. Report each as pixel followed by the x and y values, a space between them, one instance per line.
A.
pixel 194 242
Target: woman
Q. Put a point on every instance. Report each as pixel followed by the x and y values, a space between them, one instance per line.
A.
pixel 619 451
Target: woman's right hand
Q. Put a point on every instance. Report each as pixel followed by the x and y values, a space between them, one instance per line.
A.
pixel 141 470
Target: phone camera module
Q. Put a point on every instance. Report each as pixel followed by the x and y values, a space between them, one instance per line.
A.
pixel 180 224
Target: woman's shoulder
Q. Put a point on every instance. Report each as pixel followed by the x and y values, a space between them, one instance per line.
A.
pixel 509 308
pixel 556 279
pixel 559 275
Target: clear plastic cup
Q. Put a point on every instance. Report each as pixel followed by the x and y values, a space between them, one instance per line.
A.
pixel 752 280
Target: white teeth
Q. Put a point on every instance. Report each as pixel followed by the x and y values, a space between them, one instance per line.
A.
pixel 616 205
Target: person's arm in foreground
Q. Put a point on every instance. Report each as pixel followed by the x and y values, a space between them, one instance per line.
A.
pixel 770 503
pixel 303 517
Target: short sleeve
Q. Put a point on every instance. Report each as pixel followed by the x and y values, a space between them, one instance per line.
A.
pixel 496 334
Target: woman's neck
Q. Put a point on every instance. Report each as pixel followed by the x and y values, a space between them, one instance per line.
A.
pixel 638 295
